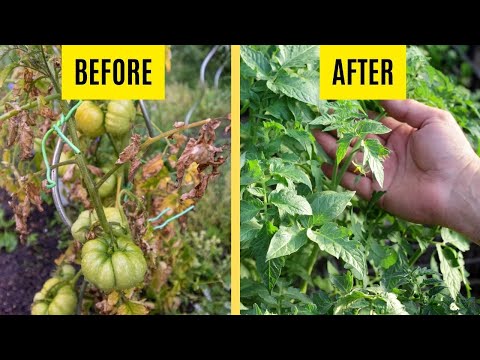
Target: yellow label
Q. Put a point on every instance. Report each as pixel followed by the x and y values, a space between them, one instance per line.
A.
pixel 363 72
pixel 113 72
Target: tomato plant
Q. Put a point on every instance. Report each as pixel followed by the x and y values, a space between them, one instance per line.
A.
pixel 122 185
pixel 311 247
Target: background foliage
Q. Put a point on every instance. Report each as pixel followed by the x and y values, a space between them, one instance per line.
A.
pixel 311 247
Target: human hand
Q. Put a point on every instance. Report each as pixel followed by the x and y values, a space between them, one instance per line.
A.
pixel 429 171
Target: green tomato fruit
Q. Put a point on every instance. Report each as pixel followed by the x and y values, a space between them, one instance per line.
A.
pixel 110 269
pixel 89 119
pixel 40 308
pixel 120 115
pixel 64 301
pixel 67 272
pixel 81 225
pixel 108 186
pixel 64 157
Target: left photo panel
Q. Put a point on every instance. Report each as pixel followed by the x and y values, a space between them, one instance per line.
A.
pixel 112 203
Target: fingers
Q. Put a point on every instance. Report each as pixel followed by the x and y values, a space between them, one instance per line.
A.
pixel 363 186
pixel 411 112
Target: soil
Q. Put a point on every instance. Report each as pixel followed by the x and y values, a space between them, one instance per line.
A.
pixel 23 272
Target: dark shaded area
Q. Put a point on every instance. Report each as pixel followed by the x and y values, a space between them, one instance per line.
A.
pixel 23 272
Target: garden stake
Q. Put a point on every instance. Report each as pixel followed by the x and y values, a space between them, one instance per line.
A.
pixel 56 127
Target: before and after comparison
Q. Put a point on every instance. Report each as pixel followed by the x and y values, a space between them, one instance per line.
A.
pixel 239 179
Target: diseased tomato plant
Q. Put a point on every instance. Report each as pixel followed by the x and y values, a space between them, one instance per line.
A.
pixel 115 178
pixel 311 247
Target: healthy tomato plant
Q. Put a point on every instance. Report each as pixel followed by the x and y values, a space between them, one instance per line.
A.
pixel 122 186
pixel 311 247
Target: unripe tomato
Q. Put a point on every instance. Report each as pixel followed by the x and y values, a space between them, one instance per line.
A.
pixel 67 272
pixel 110 269
pixel 120 115
pixel 37 145
pixel 40 308
pixel 64 157
pixel 108 186
pixel 89 119
pixel 81 225
pixel 64 301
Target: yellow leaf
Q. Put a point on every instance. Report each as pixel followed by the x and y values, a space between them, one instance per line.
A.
pixel 112 298
pixel 132 308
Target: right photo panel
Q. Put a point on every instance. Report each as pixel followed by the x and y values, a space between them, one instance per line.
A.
pixel 359 207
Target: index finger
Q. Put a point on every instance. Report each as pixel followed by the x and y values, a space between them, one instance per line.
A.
pixel 411 112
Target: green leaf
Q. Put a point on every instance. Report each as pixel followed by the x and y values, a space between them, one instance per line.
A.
pixel 452 276
pixel 8 240
pixel 305 139
pixel 248 231
pixel 295 174
pixel 344 282
pixel 343 145
pixel 297 55
pixel 269 270
pixel 373 154
pixel 256 61
pixel 286 241
pixel 382 256
pixel 249 209
pixel 334 240
pixel 287 200
pixel 303 87
pixel 327 205
pixel 455 239
pixel 323 302
pixel 365 127
pixel 279 109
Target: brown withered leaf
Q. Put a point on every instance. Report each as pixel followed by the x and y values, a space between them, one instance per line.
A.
pixel 227 129
pixel 78 192
pixel 48 113
pixel 135 164
pixel 178 141
pixel 68 175
pixel 94 170
pixel 136 219
pixel 21 212
pixel 202 151
pixel 152 167
pixel 12 130
pixel 25 137
pixel 27 80
pixel 104 307
pixel 32 193
pixel 130 151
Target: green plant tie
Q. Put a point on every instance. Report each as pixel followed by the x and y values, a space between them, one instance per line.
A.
pixel 56 127
pixel 166 222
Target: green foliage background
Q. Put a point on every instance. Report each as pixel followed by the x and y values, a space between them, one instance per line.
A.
pixel 310 247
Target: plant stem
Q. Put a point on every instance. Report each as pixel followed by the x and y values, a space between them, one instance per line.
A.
pixel 415 257
pixel 166 134
pixel 89 184
pixel 28 106
pixel 80 296
pixel 311 263
pixel 66 162
pixel 50 74
pixel 347 162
